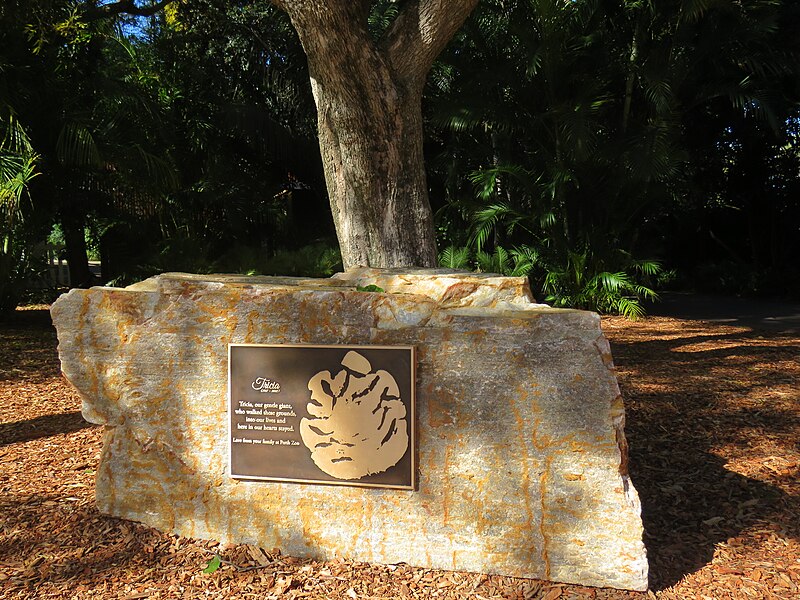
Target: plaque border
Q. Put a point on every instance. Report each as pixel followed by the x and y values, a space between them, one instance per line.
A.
pixel 412 442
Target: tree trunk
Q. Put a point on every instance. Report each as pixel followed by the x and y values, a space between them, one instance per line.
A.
pixel 368 95
pixel 72 226
pixel 374 170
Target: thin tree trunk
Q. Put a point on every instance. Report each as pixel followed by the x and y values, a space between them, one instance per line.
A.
pixel 631 78
pixel 77 257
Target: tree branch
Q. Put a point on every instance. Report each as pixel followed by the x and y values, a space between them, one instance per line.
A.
pixel 127 7
pixel 306 6
pixel 419 34
pixel 334 35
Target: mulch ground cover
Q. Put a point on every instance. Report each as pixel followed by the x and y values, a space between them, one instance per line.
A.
pixel 713 426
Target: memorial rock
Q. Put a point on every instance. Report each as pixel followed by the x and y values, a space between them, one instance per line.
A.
pixel 520 454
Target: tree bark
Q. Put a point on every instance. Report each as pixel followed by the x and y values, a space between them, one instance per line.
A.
pixel 369 114
pixel 77 257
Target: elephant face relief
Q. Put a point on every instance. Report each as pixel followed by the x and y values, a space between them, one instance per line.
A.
pixel 357 423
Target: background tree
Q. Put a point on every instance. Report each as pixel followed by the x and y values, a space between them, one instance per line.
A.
pixel 238 117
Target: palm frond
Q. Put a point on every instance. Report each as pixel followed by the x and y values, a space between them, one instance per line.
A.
pixel 13 137
pixel 381 16
pixel 525 259
pixel 497 262
pixel 158 168
pixel 486 220
pixel 17 169
pixel 694 10
pixel 647 267
pixel 15 175
pixel 454 257
pixel 76 146
pixel 463 119
pixel 613 282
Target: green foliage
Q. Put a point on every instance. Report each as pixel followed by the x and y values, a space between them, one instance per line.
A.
pixel 193 129
pixel 381 16
pixel 184 254
pixel 315 260
pixel 563 138
pixel 518 262
pixel 577 280
pixel 454 257
pixel 17 169
pixel 581 282
pixel 592 129
pixel 370 288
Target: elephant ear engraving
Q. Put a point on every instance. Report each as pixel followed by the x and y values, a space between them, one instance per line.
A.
pixel 357 420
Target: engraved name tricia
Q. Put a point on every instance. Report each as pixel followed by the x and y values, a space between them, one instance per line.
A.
pixel 266 385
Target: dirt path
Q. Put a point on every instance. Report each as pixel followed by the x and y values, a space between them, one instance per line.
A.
pixel 713 426
pixel 775 316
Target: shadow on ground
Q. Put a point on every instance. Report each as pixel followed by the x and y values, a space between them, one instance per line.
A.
pixel 44 426
pixel 694 403
pixel 775 315
pixel 28 318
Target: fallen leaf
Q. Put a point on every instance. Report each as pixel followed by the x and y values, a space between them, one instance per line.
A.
pixel 553 593
pixel 213 564
pixel 258 555
pixel 283 585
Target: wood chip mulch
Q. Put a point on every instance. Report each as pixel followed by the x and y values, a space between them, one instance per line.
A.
pixel 713 426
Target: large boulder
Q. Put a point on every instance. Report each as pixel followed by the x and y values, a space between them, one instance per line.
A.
pixel 520 451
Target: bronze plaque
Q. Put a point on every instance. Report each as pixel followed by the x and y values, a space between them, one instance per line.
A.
pixel 341 415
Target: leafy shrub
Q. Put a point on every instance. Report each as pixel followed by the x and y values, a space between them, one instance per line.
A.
pixel 516 262
pixel 578 280
pixel 582 282
pixel 314 260
pixel 17 169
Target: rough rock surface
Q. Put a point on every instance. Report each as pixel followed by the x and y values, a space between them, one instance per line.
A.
pixel 520 446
